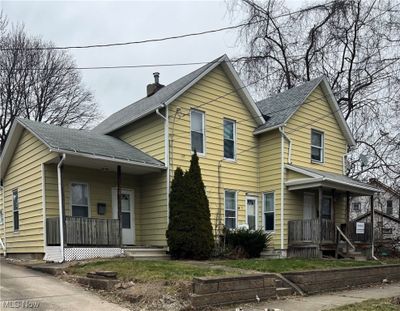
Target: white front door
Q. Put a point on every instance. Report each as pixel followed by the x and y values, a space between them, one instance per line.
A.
pixel 127 215
pixel 309 206
pixel 251 212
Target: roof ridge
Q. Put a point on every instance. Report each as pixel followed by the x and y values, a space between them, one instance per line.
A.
pixel 155 98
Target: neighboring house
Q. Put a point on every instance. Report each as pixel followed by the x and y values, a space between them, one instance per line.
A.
pixel 275 165
pixel 387 211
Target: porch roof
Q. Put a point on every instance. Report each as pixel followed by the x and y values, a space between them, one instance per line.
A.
pixel 316 178
pixel 84 147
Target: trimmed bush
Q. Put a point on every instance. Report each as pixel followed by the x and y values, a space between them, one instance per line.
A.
pixel 246 243
pixel 189 231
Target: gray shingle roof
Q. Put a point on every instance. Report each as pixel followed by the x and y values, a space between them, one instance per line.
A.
pixel 342 179
pixel 147 105
pixel 279 108
pixel 87 142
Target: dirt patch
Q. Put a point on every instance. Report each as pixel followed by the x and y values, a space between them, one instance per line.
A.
pixel 136 296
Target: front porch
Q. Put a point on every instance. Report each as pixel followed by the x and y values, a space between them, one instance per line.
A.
pixel 104 208
pixel 322 225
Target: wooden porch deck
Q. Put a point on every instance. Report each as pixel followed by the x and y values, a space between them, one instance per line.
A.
pixel 311 237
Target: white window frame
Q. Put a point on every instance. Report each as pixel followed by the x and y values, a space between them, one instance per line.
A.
pixel 255 210
pixel 264 212
pixel 203 114
pixel 70 197
pixel 321 148
pixel 236 207
pixel 15 210
pixel 234 139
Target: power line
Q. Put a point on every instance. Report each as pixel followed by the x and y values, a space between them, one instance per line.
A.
pixel 181 36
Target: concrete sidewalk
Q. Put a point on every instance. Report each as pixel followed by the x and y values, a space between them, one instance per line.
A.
pixel 323 301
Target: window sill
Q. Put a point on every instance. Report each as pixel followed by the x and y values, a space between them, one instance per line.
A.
pixel 317 162
pixel 230 160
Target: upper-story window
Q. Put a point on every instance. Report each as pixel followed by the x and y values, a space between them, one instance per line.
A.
pixel 389 207
pixel 80 200
pixel 317 146
pixel 15 202
pixel 229 139
pixel 197 131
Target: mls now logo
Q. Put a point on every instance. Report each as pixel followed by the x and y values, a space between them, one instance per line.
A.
pixel 21 304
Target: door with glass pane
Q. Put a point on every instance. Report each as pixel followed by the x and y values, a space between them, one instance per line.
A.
pixel 127 215
pixel 251 212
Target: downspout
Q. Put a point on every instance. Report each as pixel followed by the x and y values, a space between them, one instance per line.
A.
pixel 4 218
pixel 60 204
pixel 281 129
pixel 282 186
pixel 166 149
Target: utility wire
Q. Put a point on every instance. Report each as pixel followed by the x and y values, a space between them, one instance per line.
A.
pixel 193 34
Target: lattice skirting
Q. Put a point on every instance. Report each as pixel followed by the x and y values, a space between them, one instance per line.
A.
pixel 80 253
pixel 53 253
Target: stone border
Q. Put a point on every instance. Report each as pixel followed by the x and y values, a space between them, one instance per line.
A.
pixel 226 290
pixel 318 281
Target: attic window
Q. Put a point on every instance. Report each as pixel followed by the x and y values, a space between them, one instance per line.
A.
pixel 317 146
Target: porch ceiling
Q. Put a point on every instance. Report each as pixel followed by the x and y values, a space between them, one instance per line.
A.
pixel 315 178
pixel 108 164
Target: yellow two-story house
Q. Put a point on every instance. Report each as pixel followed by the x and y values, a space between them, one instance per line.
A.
pixel 275 165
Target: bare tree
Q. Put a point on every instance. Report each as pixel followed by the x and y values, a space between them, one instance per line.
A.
pixel 356 45
pixel 39 84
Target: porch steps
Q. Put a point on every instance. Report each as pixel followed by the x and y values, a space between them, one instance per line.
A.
pixel 147 253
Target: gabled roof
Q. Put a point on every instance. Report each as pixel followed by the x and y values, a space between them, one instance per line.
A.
pixel 322 178
pixel 79 142
pixel 278 109
pixel 170 92
pixel 376 211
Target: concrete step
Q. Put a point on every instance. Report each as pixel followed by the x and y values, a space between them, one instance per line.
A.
pixel 284 291
pixel 147 253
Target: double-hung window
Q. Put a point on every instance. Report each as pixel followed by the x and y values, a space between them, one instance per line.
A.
pixel 229 139
pixel 15 202
pixel 389 207
pixel 269 211
pixel 197 131
pixel 80 200
pixel 317 146
pixel 230 209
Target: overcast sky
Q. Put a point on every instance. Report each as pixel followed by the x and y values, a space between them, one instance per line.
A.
pixel 81 23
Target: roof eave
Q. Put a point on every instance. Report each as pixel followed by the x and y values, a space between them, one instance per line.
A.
pixel 337 112
pixel 105 158
pixel 268 129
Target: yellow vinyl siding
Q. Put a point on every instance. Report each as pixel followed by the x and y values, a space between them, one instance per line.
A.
pixel 147 134
pixel 270 176
pixel 295 175
pixel 25 174
pixel 316 114
pixel 239 175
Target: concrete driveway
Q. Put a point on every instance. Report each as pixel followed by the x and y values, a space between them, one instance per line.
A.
pixel 25 289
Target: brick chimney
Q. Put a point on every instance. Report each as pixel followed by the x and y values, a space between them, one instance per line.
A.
pixel 156 86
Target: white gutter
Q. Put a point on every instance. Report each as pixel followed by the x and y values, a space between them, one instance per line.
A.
pixel 282 187
pixel 166 149
pixel 103 158
pixel 281 129
pixel 60 205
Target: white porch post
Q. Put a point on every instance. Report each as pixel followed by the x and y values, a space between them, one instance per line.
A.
pixel 61 211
